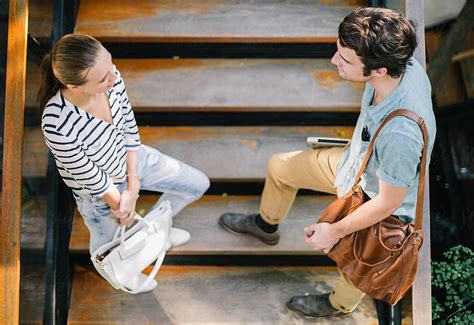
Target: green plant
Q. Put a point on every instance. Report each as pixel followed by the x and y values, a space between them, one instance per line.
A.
pixel 453 280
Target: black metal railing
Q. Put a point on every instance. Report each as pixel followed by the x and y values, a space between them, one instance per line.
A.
pixel 60 206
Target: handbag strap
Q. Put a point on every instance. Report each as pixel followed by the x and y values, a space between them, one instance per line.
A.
pixel 149 278
pixel 421 186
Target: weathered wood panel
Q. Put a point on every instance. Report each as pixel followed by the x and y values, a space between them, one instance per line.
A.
pixel 249 148
pixel 421 293
pixel 40 19
pixel 467 68
pixel 32 293
pixel 213 20
pixel 33 223
pixel 207 294
pixel 450 90
pixel 10 214
pixel 451 43
pixel 157 85
pixel 33 82
pixel 207 237
pixel 158 307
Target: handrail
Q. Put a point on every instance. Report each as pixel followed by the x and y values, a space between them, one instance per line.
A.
pixel 10 220
pixel 421 296
pixel 60 207
pixel 421 291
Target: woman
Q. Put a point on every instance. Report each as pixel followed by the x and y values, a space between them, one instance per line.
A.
pixel 89 126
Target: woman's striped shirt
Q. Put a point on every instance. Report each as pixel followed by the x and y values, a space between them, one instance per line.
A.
pixel 90 153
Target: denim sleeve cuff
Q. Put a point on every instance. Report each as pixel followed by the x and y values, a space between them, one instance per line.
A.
pixel 389 179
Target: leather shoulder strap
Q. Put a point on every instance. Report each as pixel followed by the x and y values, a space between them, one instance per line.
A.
pixel 421 185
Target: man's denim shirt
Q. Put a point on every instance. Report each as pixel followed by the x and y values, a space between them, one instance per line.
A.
pixel 397 153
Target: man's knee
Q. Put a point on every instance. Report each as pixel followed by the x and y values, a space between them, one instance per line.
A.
pixel 278 166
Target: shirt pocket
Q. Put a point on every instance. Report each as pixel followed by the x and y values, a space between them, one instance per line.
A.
pixel 98 150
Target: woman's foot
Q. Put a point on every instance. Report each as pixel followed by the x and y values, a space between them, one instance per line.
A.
pixel 137 281
pixel 179 237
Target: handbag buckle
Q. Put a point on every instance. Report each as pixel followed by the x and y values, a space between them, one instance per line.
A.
pixel 417 245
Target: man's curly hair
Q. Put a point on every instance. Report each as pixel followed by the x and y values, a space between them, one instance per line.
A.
pixel 383 38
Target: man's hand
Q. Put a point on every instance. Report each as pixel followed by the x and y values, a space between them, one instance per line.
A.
pixel 321 236
pixel 126 211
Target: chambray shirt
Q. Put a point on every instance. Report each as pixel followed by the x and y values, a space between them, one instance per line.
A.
pixel 397 152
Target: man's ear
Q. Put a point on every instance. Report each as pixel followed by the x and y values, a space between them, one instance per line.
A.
pixel 381 72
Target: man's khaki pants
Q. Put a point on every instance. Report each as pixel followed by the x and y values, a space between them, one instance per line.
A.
pixel 315 170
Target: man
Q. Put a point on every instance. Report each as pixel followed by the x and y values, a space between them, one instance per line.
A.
pixel 375 46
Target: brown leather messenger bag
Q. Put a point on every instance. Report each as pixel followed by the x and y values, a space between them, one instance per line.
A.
pixel 380 260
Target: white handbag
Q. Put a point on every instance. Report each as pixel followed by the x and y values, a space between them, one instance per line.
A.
pixel 130 252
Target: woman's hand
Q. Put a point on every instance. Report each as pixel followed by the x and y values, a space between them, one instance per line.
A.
pixel 126 211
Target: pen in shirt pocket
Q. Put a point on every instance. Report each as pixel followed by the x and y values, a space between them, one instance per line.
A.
pixel 365 134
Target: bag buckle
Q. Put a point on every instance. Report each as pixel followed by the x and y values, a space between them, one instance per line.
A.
pixel 417 245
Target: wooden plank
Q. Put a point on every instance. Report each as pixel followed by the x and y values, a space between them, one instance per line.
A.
pixel 247 147
pixel 33 223
pixel 451 43
pixel 35 153
pixel 213 20
pixel 12 162
pixel 33 82
pixel 467 69
pixel 449 91
pixel 282 283
pixel 40 19
pixel 208 295
pixel 414 11
pixel 32 293
pixel 421 293
pixel 238 85
pixel 160 85
pixel 463 55
pixel 208 238
pixel 200 219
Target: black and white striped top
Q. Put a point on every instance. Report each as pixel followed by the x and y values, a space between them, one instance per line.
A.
pixel 90 153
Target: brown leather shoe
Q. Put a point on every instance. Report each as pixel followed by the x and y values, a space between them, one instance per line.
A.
pixel 239 223
pixel 315 306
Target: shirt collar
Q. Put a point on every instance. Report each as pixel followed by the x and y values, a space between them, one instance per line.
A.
pixel 379 112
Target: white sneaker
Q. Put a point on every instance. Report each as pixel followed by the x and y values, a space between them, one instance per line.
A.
pixel 137 281
pixel 179 237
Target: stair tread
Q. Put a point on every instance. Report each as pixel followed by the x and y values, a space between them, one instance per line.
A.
pixel 200 219
pixel 161 85
pixel 213 21
pixel 208 238
pixel 208 294
pixel 191 294
pixel 248 147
